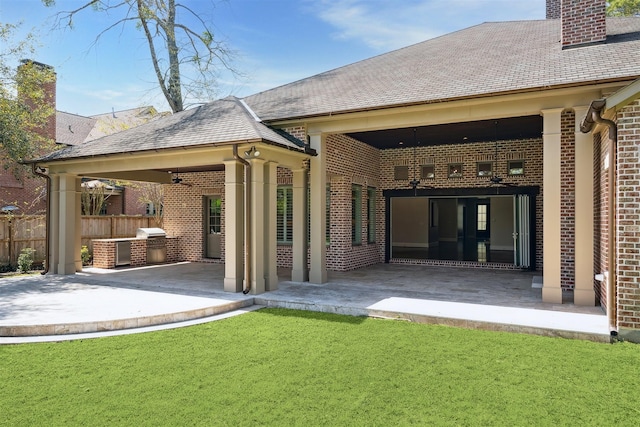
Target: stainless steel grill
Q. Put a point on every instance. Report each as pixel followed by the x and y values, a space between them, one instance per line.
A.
pixel 156 244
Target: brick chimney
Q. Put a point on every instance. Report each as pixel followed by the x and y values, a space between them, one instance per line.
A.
pixel 49 94
pixel 553 9
pixel 583 22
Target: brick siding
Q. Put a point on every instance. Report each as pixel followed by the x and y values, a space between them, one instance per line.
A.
pixel 567 199
pixel 28 192
pixel 352 162
pixel 583 21
pixel 628 210
pixel 601 213
pixel 183 211
pixel 553 9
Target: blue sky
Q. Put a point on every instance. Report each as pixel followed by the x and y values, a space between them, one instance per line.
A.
pixel 276 42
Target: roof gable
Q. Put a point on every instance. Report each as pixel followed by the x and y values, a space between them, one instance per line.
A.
pixel 220 122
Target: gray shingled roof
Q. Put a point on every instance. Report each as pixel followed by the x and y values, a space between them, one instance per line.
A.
pixel 72 129
pixel 486 59
pixel 117 121
pixel 222 121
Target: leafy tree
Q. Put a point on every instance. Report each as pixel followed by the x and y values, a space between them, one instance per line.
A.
pixel 24 107
pixel 172 44
pixel 623 7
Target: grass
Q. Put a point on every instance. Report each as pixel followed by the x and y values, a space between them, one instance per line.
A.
pixel 285 367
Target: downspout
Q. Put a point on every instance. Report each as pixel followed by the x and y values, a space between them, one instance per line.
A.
pixel 247 219
pixel 594 115
pixel 47 216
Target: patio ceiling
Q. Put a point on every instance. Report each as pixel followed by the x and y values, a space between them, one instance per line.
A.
pixel 504 129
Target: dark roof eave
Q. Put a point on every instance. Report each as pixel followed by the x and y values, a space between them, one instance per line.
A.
pixel 452 99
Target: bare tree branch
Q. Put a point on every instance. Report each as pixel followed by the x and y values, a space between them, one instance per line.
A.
pixel 172 44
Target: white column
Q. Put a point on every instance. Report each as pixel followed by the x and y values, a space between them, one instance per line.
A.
pixel 258 226
pixel 68 230
pixel 300 271
pixel 54 223
pixel 318 177
pixel 583 294
pixel 271 235
pixel 551 290
pixel 233 226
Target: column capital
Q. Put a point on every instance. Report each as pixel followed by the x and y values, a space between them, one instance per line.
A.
pixel 551 121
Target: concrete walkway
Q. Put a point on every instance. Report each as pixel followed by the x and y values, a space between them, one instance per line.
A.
pixel 108 302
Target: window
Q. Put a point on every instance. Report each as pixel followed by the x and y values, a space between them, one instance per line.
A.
pixel 485 169
pixel 401 173
pixel 482 218
pixel 215 215
pixel 427 172
pixel 284 216
pixel 356 214
pixel 371 215
pixel 455 170
pixel 516 167
pixel 151 209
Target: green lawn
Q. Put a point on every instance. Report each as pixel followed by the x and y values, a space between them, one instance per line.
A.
pixel 284 367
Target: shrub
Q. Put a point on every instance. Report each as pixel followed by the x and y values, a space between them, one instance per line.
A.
pixel 85 255
pixel 6 268
pixel 25 260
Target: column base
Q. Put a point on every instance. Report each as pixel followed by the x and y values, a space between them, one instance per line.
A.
pixel 552 295
pixel 232 284
pixel 299 275
pixel 585 297
pixel 66 269
pixel 318 276
pixel 257 287
pixel 272 283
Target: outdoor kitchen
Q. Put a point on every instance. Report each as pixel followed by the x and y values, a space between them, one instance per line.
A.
pixel 150 246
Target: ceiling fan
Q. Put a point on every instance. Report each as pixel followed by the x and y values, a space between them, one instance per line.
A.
pixel 415 182
pixel 496 179
pixel 177 180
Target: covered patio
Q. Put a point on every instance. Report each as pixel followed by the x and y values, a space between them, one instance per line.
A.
pixel 495 300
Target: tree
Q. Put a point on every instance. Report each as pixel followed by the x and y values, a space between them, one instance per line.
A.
pixel 172 44
pixel 93 196
pixel 623 7
pixel 24 107
pixel 153 195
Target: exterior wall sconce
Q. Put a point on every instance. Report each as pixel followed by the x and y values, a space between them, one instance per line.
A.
pixel 253 152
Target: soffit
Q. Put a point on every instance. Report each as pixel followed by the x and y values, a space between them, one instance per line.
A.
pixel 526 127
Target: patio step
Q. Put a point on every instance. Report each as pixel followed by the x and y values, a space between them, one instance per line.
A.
pixel 549 323
pixel 122 324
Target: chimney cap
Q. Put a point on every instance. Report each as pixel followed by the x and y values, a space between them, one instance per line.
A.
pixel 36 63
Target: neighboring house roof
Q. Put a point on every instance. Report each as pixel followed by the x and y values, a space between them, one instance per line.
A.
pixel 220 122
pixel 117 121
pixel 487 59
pixel 72 129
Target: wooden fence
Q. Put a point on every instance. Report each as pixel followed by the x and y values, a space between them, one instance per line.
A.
pixel 29 231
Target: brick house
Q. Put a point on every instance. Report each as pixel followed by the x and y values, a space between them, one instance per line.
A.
pixel 491 147
pixel 28 192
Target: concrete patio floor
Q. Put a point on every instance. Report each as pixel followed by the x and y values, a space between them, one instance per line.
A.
pixel 105 302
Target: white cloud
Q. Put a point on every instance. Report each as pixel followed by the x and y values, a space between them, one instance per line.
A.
pixel 389 24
